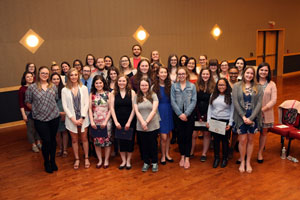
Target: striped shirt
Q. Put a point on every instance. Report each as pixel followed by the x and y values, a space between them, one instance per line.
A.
pixel 44 107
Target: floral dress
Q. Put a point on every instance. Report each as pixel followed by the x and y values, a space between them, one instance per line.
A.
pixel 100 111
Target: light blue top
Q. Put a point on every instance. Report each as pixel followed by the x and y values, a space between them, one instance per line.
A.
pixel 220 110
pixel 183 101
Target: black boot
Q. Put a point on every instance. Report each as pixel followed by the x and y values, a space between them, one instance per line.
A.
pixel 224 162
pixel 48 168
pixel 216 162
pixel 54 166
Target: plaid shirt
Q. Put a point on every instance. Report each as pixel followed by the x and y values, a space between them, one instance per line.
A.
pixel 44 107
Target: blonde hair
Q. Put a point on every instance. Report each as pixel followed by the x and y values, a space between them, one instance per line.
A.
pixel 253 81
pixel 69 83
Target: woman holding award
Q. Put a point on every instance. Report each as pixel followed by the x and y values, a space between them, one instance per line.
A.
pixel 220 109
pixel 100 119
pixel 122 112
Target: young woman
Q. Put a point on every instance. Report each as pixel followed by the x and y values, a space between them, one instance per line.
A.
pixel 240 63
pixel 213 65
pixel 91 61
pixel 30 67
pixel 247 98
pixel 224 66
pixel 126 67
pixel 233 74
pixel 182 60
pixel 65 67
pixel 122 112
pixel 162 87
pixel 154 57
pixel 33 137
pixel 145 107
pixel 100 116
pixel 264 78
pixel 143 71
pixel 154 67
pixel 205 86
pixel 172 67
pixel 75 101
pixel 41 99
pixel 183 100
pixel 221 109
pixel 62 137
pixel 108 62
pixel 112 75
pixel 191 66
pixel 202 62
pixel 78 65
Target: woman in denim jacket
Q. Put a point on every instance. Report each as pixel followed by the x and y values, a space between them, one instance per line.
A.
pixel 183 100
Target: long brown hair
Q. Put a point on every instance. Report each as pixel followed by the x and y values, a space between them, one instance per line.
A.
pixel 69 83
pixel 38 79
pixel 127 88
pixel 140 95
pixel 227 92
pixel 200 86
pixel 167 81
pixel 139 74
pixel 253 81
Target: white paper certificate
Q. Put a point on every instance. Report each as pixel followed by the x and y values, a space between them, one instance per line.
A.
pixel 200 124
pixel 217 126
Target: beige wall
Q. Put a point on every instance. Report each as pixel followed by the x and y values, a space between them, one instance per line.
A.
pixel 73 28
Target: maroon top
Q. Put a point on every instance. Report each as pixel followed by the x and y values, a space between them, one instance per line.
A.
pixel 22 104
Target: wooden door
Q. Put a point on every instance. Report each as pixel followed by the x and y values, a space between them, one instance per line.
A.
pixel 270 49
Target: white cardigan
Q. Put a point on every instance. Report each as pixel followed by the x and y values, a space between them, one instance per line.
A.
pixel 67 102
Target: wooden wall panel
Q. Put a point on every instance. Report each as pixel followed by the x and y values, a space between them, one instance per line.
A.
pixel 73 28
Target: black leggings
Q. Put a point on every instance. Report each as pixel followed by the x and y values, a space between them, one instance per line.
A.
pixel 47 131
pixel 149 146
pixel 218 138
pixel 185 132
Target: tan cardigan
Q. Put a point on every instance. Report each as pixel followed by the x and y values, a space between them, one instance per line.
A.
pixel 269 100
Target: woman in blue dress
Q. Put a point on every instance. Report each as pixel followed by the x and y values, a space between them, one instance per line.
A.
pixel 162 87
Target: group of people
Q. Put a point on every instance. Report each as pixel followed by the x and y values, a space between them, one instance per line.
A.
pixel 141 98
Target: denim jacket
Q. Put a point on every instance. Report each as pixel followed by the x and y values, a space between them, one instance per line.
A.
pixel 183 101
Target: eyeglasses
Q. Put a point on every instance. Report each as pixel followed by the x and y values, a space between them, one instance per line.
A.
pixel 44 73
pixel 87 71
pixel 233 73
pixel 124 60
pixel 181 74
pixel 221 85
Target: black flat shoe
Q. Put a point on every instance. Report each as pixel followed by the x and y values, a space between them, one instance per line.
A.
pixel 260 161
pixel 122 167
pixel 224 163
pixel 169 160
pixel 128 167
pixel 48 168
pixel 203 158
pixel 216 162
pixel 163 162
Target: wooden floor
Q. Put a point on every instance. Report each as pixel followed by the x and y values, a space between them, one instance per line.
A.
pixel 22 175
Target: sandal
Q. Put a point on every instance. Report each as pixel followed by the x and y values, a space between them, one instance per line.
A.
pixel 65 154
pixel 87 164
pixel 76 163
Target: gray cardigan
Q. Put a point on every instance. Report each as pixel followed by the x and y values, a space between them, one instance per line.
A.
pixel 240 111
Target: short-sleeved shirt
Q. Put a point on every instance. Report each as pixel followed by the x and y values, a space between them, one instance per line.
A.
pixel 44 107
pixel 145 109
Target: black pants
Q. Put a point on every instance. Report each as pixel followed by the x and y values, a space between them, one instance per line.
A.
pixel 149 146
pixel 47 131
pixel 218 138
pixel 185 132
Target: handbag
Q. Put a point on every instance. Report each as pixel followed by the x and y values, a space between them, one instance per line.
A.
pixel 99 132
pixel 124 134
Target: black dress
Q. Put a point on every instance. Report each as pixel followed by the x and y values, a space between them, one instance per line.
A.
pixel 123 108
pixel 201 108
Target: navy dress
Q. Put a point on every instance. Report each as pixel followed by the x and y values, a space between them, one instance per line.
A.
pixel 165 112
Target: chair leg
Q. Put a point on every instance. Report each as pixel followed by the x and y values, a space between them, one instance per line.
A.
pixel 282 142
pixel 288 149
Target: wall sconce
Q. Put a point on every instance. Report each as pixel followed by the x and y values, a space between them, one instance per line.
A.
pixel 141 35
pixel 216 32
pixel 31 41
